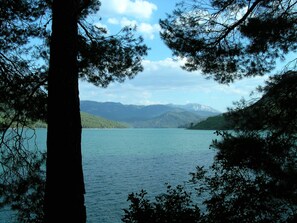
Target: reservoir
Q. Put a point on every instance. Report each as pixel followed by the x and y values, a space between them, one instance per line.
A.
pixel 117 162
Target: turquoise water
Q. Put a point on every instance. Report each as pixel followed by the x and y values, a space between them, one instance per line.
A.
pixel 117 162
pixel 120 161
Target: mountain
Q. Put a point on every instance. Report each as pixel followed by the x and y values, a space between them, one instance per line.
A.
pixel 126 113
pixel 202 110
pixel 150 116
pixel 168 120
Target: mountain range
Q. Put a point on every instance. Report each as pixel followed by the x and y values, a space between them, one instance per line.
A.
pixel 149 116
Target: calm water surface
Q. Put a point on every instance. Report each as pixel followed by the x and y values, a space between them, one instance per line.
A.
pixel 120 161
pixel 117 162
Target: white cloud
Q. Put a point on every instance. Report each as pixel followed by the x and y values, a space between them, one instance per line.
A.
pixel 147 30
pixel 113 21
pixel 139 9
pixel 126 22
pixel 131 13
pixel 165 82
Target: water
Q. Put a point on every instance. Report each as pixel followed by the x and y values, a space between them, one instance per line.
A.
pixel 117 162
pixel 120 161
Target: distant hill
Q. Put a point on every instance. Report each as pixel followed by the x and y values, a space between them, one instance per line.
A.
pixel 213 123
pixel 126 113
pixel 169 120
pixel 201 110
pixel 91 121
pixel 150 116
pixel 264 113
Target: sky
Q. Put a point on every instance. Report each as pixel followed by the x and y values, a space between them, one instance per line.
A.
pixel 162 81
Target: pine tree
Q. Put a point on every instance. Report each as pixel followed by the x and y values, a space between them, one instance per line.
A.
pixel 253 176
pixel 36 86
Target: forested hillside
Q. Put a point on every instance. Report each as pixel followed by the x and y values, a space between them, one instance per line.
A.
pixel 168 120
pixel 149 116
pixel 90 121
pixel 218 122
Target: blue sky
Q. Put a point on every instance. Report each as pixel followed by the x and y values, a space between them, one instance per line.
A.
pixel 162 81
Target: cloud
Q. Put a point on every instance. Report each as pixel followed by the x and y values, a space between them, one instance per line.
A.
pixel 113 21
pixel 131 13
pixel 139 9
pixel 164 82
pixel 126 22
pixel 147 30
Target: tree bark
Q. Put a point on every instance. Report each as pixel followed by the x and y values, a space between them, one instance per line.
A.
pixel 64 193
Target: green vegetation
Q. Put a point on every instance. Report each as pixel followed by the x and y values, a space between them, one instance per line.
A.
pixel 87 121
pixel 149 116
pixel 39 124
pixel 253 177
pixel 168 120
pixel 174 206
pixel 92 121
pixel 218 122
pixel 45 46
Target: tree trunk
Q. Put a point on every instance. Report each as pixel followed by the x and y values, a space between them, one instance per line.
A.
pixel 64 193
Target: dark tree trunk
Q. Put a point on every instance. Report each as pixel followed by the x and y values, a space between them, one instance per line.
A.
pixel 64 195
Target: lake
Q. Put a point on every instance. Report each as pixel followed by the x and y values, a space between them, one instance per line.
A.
pixel 117 162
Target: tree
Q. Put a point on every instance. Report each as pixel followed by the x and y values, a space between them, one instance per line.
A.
pixel 174 206
pixel 21 77
pixel 253 176
pixel 257 163
pixel 22 102
pixel 64 195
pixel 64 191
pixel 228 39
pixel 78 50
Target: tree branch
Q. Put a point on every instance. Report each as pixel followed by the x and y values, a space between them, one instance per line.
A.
pixel 240 21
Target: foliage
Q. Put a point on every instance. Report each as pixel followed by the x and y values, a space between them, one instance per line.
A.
pixel 218 122
pixel 119 58
pixel 92 121
pixel 24 49
pixel 253 176
pixel 257 163
pixel 22 97
pixel 228 39
pixel 25 35
pixel 19 23
pixel 275 110
pixel 22 174
pixel 174 206
pixel 22 102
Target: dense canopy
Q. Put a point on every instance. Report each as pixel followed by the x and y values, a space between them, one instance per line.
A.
pixel 231 39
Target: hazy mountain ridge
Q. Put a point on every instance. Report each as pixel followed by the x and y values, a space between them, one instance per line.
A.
pixel 149 116
pixel 169 120
pixel 197 108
